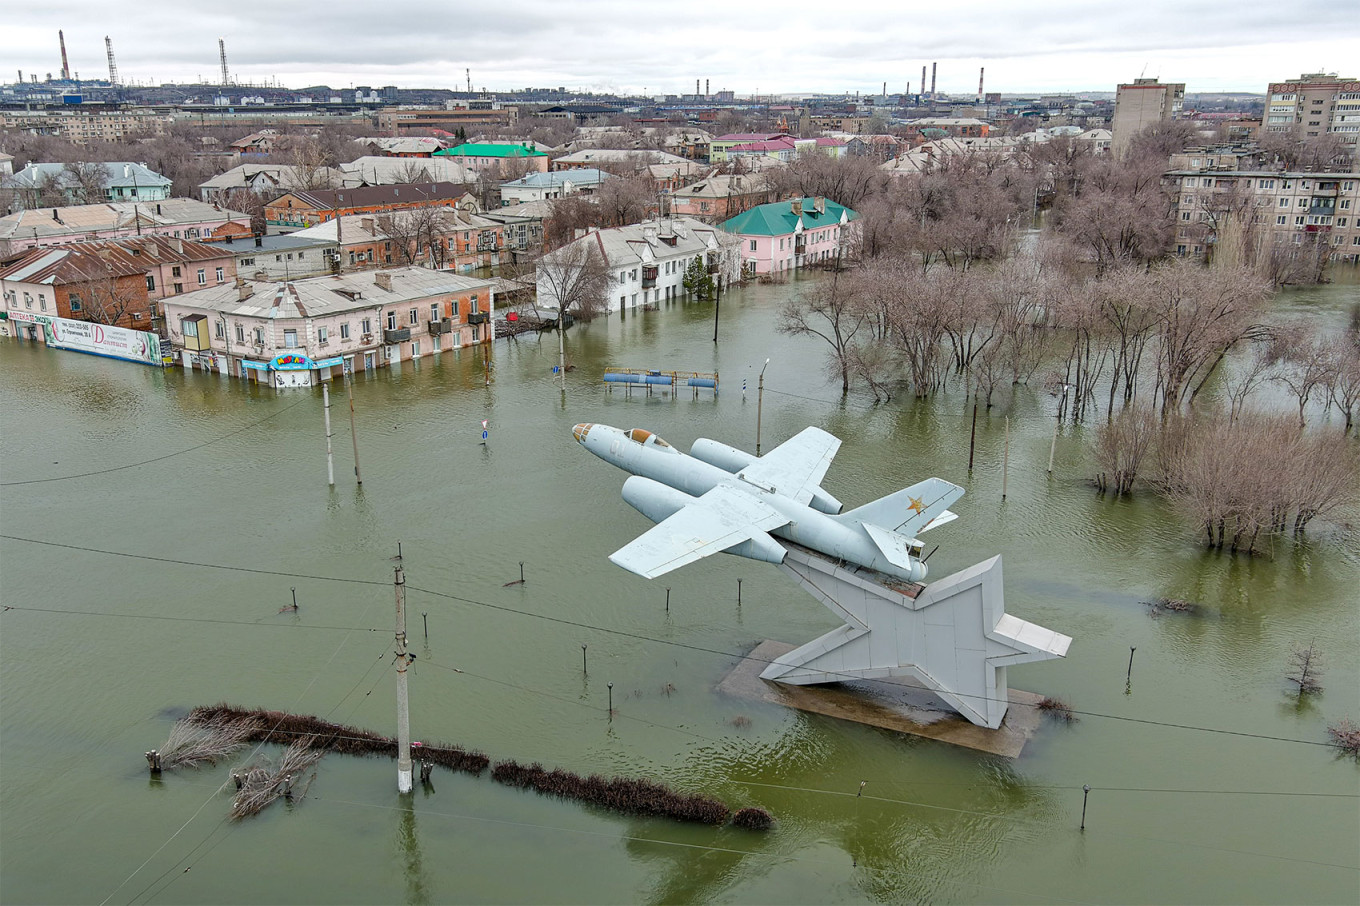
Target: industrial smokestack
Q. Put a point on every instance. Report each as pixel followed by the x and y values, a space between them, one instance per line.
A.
pixel 705 87
pixel 696 88
pixel 923 78
pixel 885 89
pixel 932 78
pixel 65 67
pixel 982 70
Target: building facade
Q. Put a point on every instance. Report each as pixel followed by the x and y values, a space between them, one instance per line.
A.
pixel 178 218
pixel 1313 105
pixel 1241 213
pixel 498 160
pixel 300 209
pixel 1142 104
pixel 83 183
pixel 299 332
pixel 547 186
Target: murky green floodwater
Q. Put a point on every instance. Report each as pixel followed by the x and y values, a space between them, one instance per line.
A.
pixel 101 652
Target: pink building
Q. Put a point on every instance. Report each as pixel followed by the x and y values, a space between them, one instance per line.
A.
pixel 178 218
pixel 786 235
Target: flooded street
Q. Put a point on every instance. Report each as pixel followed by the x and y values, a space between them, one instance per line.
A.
pixel 168 516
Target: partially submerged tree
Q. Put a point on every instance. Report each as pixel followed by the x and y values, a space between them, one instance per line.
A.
pixel 1305 669
pixel 575 279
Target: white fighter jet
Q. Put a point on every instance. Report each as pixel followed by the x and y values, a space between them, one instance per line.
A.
pixel 720 498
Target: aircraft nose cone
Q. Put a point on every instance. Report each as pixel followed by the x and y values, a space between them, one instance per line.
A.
pixel 580 432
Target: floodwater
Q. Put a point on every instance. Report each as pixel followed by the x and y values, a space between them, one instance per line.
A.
pixel 157 586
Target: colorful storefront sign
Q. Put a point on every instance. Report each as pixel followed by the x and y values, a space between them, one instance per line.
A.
pixel 291 361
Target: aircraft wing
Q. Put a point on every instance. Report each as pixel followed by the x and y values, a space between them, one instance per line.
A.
pixel 796 467
pixel 725 516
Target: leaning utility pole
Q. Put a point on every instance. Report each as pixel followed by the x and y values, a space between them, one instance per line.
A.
pixel 222 52
pixel 403 704
pixel 113 66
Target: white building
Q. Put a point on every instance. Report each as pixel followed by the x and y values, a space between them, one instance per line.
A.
pixel 555 184
pixel 647 260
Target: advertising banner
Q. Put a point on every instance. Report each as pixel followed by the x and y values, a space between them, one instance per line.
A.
pixel 98 339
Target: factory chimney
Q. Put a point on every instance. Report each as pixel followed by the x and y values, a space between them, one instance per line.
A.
pixel 982 70
pixel 706 88
pixel 932 79
pixel 65 67
pixel 923 79
pixel 696 88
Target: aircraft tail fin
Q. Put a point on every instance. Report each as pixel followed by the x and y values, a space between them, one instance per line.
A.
pixel 910 510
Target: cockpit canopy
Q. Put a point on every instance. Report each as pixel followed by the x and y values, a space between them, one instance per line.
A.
pixel 643 436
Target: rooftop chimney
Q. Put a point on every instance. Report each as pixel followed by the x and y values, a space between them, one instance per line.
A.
pixel 819 204
pixel 367 224
pixel 797 207
pixel 383 280
pixel 244 291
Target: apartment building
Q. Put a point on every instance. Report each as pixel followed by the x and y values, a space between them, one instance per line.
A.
pixel 300 209
pixel 1221 212
pixel 1313 105
pixel 783 236
pixel 1142 104
pixel 84 127
pixel 179 218
pixel 399 121
pixel 300 332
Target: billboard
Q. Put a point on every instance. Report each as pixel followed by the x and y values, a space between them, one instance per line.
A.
pixel 97 339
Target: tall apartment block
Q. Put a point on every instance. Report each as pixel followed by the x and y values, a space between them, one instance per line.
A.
pixel 1315 104
pixel 1142 104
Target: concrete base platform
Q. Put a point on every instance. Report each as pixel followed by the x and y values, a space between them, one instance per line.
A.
pixel 892 704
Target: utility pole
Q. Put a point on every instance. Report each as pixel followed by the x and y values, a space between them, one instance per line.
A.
pixel 349 387
pixel 760 402
pixel 330 461
pixel 1056 422
pixel 561 345
pixel 403 704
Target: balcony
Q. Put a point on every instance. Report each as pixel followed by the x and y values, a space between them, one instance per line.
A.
pixel 649 275
pixel 442 326
pixel 713 267
pixel 477 317
pixel 396 335
pixel 800 247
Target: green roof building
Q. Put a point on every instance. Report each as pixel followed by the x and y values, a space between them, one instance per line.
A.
pixel 500 157
pixel 787 235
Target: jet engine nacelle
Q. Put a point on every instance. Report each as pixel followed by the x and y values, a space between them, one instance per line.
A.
pixel 730 459
pixel 653 499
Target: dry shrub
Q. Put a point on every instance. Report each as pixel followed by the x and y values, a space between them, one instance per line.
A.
pixel 1346 736
pixel 1122 444
pixel 1057 709
pixel 629 796
pixel 752 818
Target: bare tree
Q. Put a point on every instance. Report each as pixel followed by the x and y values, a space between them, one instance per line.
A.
pixel 1305 669
pixel 1122 444
pixel 419 234
pixel 248 202
pixel 575 279
pixel 1303 364
pixel 828 311
pixel 108 298
pixel 1344 385
pixel 567 217
pixel 624 200
pixel 86 181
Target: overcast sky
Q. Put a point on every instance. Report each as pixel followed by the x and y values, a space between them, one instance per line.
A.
pixel 789 46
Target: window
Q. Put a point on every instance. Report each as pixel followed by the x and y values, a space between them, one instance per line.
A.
pixel 1342 221
pixel 434 311
pixel 415 348
pixel 174 271
pixel 247 262
pixel 290 339
pixel 415 316
pixel 42 301
pixel 190 328
pixel 300 254
pixel 240 334
pixel 753 245
pixel 366 326
pixel 219 275
pixel 351 257
pixel 1284 202
pixel 202 277
pixel 150 283
pixel 75 301
pixel 179 288
pixel 259 336
pixel 1298 221
pixel 28 300
pixel 1282 219
pixel 344 331
pixel 472 305
pixel 220 330
pixel 322 334
pixel 391 320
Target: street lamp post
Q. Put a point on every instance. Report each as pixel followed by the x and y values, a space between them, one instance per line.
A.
pixel 760 401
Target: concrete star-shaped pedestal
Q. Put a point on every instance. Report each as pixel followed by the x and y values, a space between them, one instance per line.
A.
pixel 954 636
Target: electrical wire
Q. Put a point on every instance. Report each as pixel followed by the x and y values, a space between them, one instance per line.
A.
pixel 607 630
pixel 147 462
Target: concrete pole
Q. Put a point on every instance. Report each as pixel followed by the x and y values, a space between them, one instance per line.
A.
pixel 330 460
pixel 760 402
pixel 403 703
pixel 561 348
pixel 1006 459
pixel 1056 421
pixel 353 436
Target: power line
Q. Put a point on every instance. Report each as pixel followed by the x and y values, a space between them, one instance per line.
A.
pixel 147 462
pixel 618 632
